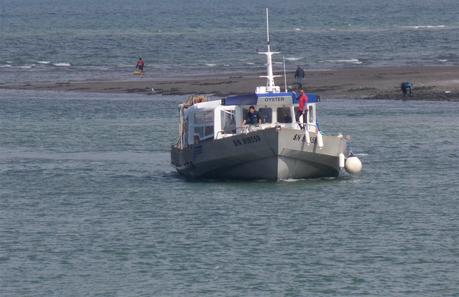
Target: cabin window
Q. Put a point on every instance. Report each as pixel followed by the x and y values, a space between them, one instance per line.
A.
pixel 266 115
pixel 204 117
pixel 199 131
pixel 209 131
pixel 204 124
pixel 245 112
pixel 284 115
pixel 228 123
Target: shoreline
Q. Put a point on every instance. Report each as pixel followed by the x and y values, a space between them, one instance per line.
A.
pixel 430 83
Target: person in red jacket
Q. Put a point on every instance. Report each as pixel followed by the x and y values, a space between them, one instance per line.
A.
pixel 140 65
pixel 302 108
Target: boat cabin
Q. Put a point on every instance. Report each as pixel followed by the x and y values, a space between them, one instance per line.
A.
pixel 210 120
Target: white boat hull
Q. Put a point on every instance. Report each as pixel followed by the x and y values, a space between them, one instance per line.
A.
pixel 272 154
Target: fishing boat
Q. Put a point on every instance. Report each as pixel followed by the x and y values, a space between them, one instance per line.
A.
pixel 214 141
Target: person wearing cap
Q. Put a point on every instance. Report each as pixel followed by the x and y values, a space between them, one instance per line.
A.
pixel 252 117
pixel 302 103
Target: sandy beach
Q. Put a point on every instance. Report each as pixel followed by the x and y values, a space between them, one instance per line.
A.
pixel 430 83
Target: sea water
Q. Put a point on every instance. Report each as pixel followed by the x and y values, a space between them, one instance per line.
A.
pixel 84 39
pixel 90 206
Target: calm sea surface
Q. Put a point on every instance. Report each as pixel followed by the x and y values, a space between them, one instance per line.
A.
pixel 90 206
pixel 86 39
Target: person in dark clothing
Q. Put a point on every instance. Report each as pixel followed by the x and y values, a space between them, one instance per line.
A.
pixel 299 76
pixel 302 109
pixel 252 117
pixel 406 88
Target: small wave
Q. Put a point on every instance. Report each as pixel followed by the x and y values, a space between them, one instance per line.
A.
pixel 292 180
pixel 6 66
pixel 361 154
pixel 44 62
pixel 93 67
pixel 62 64
pixel 350 61
pixel 427 27
pixel 26 66
pixel 297 29
pixel 250 63
pixel 450 57
pixel 124 65
pixel 211 65
pixel 293 58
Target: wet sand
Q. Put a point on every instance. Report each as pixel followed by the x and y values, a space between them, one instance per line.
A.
pixel 430 83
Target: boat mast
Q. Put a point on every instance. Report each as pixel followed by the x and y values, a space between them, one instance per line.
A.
pixel 270 85
pixel 285 74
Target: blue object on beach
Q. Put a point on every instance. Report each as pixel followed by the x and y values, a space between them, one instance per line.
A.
pixel 407 84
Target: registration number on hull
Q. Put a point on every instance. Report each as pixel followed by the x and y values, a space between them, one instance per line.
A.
pixel 302 138
pixel 246 140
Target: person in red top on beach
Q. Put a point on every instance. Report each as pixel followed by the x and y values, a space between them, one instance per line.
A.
pixel 302 102
pixel 140 65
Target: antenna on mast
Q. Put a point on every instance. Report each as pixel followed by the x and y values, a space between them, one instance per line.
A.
pixel 285 74
pixel 267 26
pixel 270 85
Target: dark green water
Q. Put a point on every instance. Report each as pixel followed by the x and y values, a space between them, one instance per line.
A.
pixel 90 206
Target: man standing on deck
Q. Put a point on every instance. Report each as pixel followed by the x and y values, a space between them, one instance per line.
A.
pixel 299 76
pixel 302 109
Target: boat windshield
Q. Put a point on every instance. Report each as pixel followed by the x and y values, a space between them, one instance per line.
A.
pixel 284 115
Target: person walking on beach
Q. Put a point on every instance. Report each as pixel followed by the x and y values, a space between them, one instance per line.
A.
pixel 299 76
pixel 140 64
pixel 302 108
pixel 406 88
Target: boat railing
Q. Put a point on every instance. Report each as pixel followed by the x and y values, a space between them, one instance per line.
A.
pixel 244 129
pixel 231 132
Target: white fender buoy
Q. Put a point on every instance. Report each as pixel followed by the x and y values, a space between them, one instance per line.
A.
pixel 341 160
pixel 353 165
pixel 320 141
